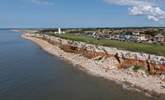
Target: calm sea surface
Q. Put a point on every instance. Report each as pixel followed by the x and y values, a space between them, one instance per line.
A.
pixel 29 73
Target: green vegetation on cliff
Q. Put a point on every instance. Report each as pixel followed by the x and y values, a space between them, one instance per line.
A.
pixel 131 46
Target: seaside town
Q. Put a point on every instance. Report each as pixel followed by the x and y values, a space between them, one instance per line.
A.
pixel 140 35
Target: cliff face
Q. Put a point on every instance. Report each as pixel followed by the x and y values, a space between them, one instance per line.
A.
pixel 152 63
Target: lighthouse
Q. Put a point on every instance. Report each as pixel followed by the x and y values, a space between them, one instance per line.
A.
pixel 59 30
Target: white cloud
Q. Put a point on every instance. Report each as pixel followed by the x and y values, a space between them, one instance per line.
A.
pixel 42 2
pixel 148 8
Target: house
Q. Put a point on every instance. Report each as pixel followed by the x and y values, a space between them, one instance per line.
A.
pixel 127 35
pixel 159 38
pixel 136 33
pixel 149 39
pixel 142 37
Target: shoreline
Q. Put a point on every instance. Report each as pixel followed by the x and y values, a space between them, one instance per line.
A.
pixel 150 84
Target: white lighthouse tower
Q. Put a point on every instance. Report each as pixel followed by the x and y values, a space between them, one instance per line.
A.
pixel 59 31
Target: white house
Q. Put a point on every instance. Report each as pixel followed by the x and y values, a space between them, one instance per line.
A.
pixel 136 33
pixel 142 37
pixel 159 38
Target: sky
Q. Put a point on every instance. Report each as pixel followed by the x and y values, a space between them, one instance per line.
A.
pixel 81 13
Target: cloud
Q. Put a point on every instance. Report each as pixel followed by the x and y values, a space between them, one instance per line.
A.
pixel 42 2
pixel 148 8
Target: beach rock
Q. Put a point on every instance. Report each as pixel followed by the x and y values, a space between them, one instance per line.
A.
pixel 163 86
pixel 162 77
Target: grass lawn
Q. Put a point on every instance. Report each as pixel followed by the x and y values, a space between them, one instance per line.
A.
pixel 131 46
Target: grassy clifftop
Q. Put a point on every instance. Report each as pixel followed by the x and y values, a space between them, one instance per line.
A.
pixel 124 45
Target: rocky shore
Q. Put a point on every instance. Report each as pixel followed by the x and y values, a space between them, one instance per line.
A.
pixel 106 65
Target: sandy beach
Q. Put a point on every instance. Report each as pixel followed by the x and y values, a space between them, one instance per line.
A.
pixel 149 84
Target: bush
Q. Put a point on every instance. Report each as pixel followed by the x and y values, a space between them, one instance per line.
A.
pixel 137 67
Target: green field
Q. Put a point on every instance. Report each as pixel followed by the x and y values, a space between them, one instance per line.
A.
pixel 124 45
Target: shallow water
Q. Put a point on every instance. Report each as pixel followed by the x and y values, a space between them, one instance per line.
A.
pixel 29 73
